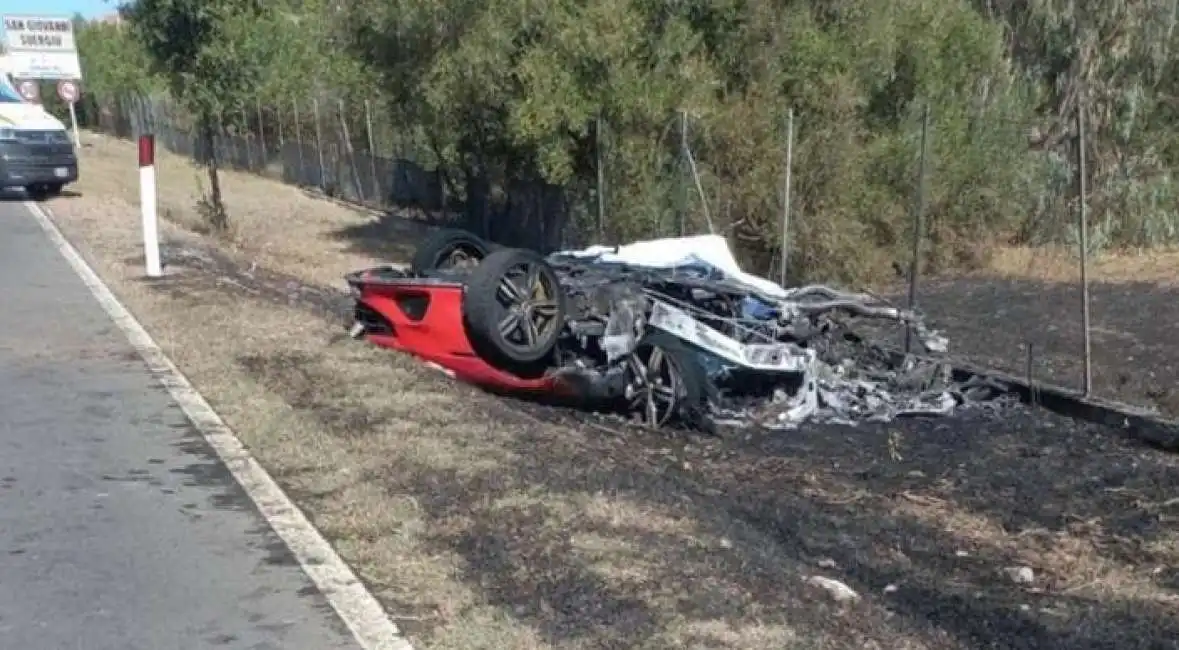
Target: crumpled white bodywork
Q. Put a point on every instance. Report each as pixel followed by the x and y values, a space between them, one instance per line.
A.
pixel 830 392
pixel 673 252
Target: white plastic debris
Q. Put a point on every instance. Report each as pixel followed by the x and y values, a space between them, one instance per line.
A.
pixel 837 590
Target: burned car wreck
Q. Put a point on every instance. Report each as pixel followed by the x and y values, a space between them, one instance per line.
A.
pixel 670 331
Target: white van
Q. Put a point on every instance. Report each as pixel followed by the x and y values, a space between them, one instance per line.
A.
pixel 36 151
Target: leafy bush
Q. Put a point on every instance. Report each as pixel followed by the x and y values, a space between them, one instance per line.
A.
pixel 503 92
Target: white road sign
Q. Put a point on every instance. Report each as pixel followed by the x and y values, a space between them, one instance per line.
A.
pixel 29 90
pixel 68 91
pixel 40 47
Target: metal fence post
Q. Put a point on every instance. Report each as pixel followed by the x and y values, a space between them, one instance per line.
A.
pixel 318 142
pixel 1083 236
pixel 246 133
pixel 372 152
pixel 683 188
pixel 279 131
pixel 299 140
pixel 261 134
pixel 350 150
pixel 918 218
pixel 786 195
pixel 598 142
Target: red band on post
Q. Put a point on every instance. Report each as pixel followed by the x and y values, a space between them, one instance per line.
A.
pixel 147 150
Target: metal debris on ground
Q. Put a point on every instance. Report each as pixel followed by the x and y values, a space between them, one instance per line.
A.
pixel 820 367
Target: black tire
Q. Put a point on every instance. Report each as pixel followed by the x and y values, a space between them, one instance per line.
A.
pixel 694 391
pixel 439 250
pixel 43 191
pixel 527 346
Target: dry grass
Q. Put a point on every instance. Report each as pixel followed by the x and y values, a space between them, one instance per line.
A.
pixel 483 524
pixel 271 222
pixel 1060 265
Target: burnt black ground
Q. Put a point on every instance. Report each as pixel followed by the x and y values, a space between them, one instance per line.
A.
pixel 823 496
pixel 829 493
pixel 991 322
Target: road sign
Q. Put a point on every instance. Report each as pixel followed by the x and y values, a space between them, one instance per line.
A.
pixel 30 90
pixel 68 91
pixel 40 47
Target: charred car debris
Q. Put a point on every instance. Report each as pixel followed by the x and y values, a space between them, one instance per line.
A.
pixel 667 330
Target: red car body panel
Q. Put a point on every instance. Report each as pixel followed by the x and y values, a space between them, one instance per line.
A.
pixel 437 334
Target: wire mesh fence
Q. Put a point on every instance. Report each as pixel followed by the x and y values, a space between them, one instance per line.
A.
pixel 1030 327
pixel 353 153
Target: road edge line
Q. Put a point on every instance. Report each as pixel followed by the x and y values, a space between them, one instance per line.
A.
pixel 359 610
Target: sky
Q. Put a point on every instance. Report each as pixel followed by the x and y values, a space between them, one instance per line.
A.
pixel 88 8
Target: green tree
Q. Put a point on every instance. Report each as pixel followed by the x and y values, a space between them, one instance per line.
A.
pixel 113 64
pixel 197 46
pixel 1117 61
pixel 512 92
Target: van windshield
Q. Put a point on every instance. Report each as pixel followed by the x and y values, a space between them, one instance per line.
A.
pixel 8 92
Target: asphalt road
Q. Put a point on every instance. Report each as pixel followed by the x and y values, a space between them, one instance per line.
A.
pixel 119 529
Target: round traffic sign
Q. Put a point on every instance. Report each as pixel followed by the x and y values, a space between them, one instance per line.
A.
pixel 30 90
pixel 68 91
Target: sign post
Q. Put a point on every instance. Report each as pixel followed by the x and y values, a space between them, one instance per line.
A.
pixel 42 47
pixel 68 91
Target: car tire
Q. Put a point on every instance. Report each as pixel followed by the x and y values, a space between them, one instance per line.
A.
pixel 514 310
pixel 444 248
pixel 681 373
pixel 43 191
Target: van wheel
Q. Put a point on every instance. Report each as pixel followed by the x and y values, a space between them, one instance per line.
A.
pixel 43 191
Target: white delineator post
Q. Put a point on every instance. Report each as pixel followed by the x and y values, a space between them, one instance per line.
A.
pixel 147 205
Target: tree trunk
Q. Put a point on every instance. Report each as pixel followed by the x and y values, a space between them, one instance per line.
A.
pixel 215 208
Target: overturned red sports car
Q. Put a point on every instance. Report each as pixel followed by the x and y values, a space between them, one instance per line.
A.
pixel 499 319
pixel 666 335
pixel 432 317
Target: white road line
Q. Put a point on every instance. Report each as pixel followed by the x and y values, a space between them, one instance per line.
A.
pixel 353 602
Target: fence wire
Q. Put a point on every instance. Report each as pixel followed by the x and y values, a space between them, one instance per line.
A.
pixel 351 153
pixel 1028 327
